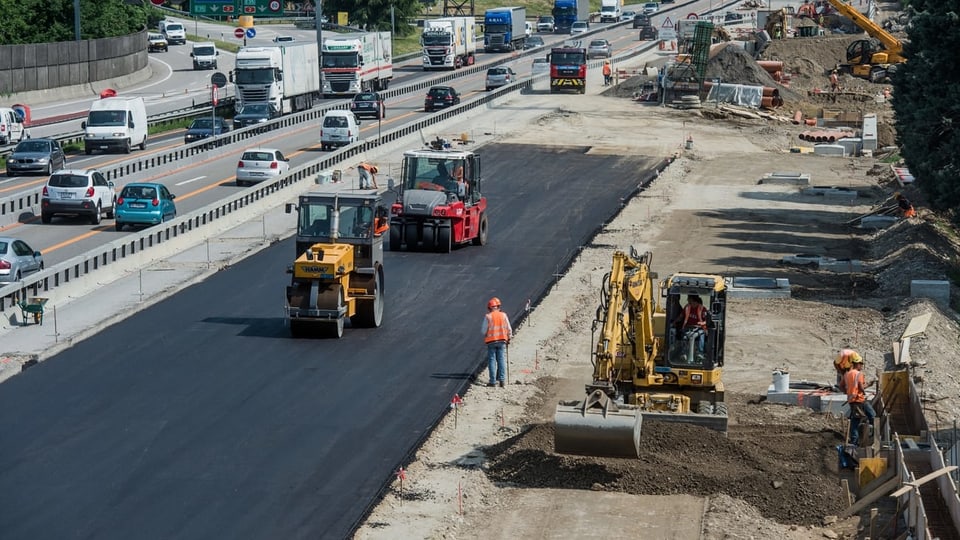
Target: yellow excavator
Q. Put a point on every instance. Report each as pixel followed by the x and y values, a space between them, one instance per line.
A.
pixel 874 59
pixel 647 365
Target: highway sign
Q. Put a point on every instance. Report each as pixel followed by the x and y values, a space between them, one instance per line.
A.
pixel 693 16
pixel 218 79
pixel 261 8
pixel 238 33
pixel 212 7
pixel 667 31
pixel 251 33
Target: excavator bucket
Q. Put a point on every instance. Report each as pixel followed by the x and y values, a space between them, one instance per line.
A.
pixel 597 427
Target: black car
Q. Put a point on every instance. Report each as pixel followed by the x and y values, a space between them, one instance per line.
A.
pixel 649 33
pixel 369 104
pixel 440 97
pixel 253 114
pixel 202 128
pixel 640 20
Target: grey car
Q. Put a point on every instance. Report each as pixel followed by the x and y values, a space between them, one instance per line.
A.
pixel 17 260
pixel 599 48
pixel 500 76
pixel 36 156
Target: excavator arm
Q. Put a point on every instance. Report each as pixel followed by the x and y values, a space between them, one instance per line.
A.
pixel 892 46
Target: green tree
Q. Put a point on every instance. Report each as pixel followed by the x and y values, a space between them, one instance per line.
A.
pixel 47 21
pixel 926 100
pixel 375 14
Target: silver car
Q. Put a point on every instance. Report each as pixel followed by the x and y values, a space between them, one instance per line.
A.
pixel 17 259
pixel 36 156
pixel 500 76
pixel 599 48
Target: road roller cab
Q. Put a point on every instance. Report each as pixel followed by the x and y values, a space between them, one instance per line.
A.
pixel 338 271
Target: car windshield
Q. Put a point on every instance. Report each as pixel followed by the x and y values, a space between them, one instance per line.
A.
pixel 438 92
pixel 260 109
pixel 254 76
pixel 257 156
pixel 367 96
pixel 497 71
pixel 598 43
pixel 545 19
pixel 436 38
pixel 32 146
pixel 204 51
pixel 335 121
pixel 155 37
pixel 107 118
pixel 340 60
pixel 316 219
pixel 579 25
pixel 567 58
pixel 174 27
pixel 68 181
pixel 430 172
pixel 203 123
pixel 535 40
pixel 139 192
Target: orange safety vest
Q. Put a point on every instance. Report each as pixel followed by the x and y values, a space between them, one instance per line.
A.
pixel 606 69
pixel 695 317
pixel 497 327
pixel 853 382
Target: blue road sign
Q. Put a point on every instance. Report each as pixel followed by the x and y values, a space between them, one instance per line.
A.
pixel 251 33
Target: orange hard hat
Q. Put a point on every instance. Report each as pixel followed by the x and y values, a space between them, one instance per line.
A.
pixel 493 303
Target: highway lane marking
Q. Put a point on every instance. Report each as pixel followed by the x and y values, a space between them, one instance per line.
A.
pixel 190 180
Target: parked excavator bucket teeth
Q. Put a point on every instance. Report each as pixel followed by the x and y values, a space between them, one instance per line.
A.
pixel 614 432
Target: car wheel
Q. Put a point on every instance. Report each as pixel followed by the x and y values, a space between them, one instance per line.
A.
pixel 143 144
pixel 118 226
pixel 49 169
pixel 95 218
pixel 126 147
pixel 45 217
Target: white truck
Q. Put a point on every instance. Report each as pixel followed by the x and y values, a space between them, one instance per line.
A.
pixel 287 78
pixel 449 43
pixel 610 10
pixel 357 62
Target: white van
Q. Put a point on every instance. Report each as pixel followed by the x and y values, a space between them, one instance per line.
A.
pixel 115 123
pixel 339 128
pixel 204 55
pixel 11 127
pixel 175 33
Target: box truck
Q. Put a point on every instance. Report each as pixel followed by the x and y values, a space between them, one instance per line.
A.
pixel 449 43
pixel 286 78
pixel 504 29
pixel 357 62
pixel 610 10
pixel 115 123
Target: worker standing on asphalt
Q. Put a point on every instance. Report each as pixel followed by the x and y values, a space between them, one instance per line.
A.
pixel 496 334
pixel 844 362
pixel 368 175
pixel 855 386
pixel 607 73
pixel 906 207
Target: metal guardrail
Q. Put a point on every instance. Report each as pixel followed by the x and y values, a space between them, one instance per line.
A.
pixel 196 222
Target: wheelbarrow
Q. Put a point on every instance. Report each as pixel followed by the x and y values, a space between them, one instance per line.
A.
pixel 32 306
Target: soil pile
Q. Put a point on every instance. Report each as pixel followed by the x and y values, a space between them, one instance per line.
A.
pixel 731 64
pixel 781 460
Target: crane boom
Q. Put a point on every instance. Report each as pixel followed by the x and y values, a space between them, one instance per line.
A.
pixel 893 46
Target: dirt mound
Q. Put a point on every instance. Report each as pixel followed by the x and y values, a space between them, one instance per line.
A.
pixel 781 460
pixel 731 64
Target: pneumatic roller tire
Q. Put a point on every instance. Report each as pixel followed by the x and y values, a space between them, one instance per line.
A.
pixel 396 237
pixel 444 240
pixel 410 236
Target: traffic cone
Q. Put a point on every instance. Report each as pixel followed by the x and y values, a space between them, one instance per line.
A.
pixel 662 45
pixel 673 45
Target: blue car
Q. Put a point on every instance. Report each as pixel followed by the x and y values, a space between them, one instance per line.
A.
pixel 144 204
pixel 204 128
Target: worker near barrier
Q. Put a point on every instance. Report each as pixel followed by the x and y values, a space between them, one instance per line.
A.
pixel 496 334
pixel 368 175
pixel 906 207
pixel 834 81
pixel 855 386
pixel 607 73
pixel 844 361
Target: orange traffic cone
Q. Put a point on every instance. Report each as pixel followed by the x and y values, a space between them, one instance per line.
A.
pixel 663 45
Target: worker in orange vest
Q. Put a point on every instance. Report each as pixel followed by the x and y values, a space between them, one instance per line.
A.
pixel 607 73
pixel 855 386
pixel 906 207
pixel 368 175
pixel 496 334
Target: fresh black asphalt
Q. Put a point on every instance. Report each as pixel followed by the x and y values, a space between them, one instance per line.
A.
pixel 201 418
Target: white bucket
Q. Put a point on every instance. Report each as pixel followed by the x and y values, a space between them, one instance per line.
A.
pixel 781 381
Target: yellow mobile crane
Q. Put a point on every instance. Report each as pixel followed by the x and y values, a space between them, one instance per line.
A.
pixel 873 59
pixel 647 365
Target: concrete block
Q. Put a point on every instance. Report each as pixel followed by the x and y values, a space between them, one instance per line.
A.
pixel 830 191
pixel 877 222
pixel 829 150
pixel 870 139
pixel 938 290
pixel 851 145
pixel 791 178
pixel 758 287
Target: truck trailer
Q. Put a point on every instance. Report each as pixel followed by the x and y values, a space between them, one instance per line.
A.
pixel 449 43
pixel 286 78
pixel 357 62
pixel 567 12
pixel 504 29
